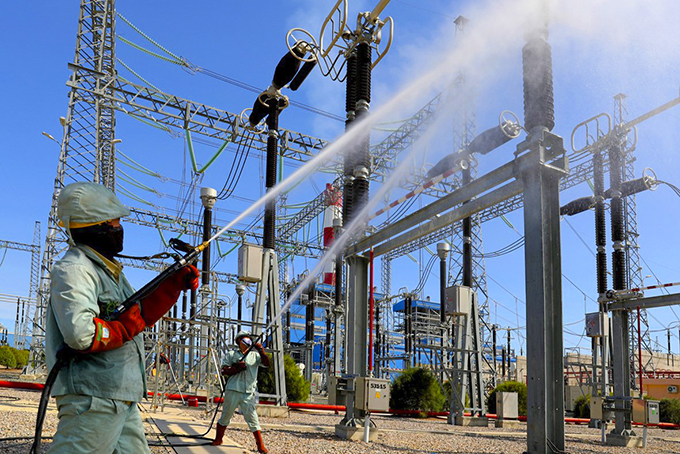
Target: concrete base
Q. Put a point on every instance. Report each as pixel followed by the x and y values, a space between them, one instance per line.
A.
pixel 626 441
pixel 355 433
pixel 272 411
pixel 471 421
pixel 507 424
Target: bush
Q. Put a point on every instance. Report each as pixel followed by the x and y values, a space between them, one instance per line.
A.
pixel 7 358
pixel 582 407
pixel 512 387
pixel 447 393
pixel 21 357
pixel 669 410
pixel 297 388
pixel 417 389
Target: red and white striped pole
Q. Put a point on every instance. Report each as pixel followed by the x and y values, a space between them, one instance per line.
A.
pixel 428 184
pixel 332 211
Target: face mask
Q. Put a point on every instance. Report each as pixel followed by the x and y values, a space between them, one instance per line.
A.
pixel 103 238
pixel 246 342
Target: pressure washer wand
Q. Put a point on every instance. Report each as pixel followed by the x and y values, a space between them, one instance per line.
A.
pixel 192 254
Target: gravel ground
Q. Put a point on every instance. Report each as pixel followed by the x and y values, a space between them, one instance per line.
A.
pixel 312 433
pixel 21 423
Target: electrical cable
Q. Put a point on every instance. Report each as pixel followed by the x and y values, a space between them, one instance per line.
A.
pixel 180 61
pixel 517 244
pixel 672 186
pixel 232 180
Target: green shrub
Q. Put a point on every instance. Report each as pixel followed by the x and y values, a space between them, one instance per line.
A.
pixel 417 389
pixel 447 394
pixel 21 357
pixel 582 407
pixel 7 358
pixel 669 410
pixel 512 387
pixel 297 388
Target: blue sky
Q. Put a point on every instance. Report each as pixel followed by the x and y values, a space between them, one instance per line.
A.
pixel 600 48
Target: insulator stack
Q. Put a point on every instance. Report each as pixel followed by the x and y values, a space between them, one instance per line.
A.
pixel 362 159
pixel 539 105
pixel 632 187
pixel 364 62
pixel 351 92
pixel 577 206
pixel 287 68
pixel 269 234
pixel 467 238
pixel 349 152
pixel 205 264
pixel 600 224
pixel 488 141
pixel 359 196
pixel 302 75
pixel 619 255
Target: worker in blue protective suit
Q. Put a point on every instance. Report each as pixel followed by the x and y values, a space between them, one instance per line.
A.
pixel 97 392
pixel 241 386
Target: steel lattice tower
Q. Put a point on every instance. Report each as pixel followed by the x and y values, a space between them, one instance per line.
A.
pixel 87 152
pixel 632 250
pixel 463 133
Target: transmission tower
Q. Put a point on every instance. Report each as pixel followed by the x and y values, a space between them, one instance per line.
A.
pixel 87 152
pixel 463 133
pixel 632 251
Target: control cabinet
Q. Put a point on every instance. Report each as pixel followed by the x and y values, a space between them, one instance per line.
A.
pixel 250 263
pixel 372 394
pixel 458 300
pixel 597 324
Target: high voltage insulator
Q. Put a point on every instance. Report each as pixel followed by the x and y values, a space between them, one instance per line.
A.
pixel 288 66
pixel 484 143
pixel 578 206
pixel 600 224
pixel 631 187
pixel 539 106
pixel 628 188
pixel 302 75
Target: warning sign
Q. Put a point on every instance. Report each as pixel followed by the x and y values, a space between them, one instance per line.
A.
pixel 377 395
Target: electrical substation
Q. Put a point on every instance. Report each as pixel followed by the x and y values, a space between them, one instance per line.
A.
pixel 323 273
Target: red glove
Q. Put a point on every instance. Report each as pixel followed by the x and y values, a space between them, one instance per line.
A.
pixel 113 334
pixel 233 370
pixel 159 302
pixel 263 355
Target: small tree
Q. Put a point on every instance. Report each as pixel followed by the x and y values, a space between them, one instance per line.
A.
pixel 297 388
pixel 509 386
pixel 669 410
pixel 7 358
pixel 21 357
pixel 417 389
pixel 582 406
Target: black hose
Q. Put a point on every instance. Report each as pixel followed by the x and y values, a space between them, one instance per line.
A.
pixel 203 435
pixel 44 400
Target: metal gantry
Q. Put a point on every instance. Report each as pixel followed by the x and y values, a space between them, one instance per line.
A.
pixel 26 307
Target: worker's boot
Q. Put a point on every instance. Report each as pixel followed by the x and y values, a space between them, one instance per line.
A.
pixel 258 441
pixel 220 435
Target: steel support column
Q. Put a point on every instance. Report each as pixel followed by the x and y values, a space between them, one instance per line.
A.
pixel 545 368
pixel 357 320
